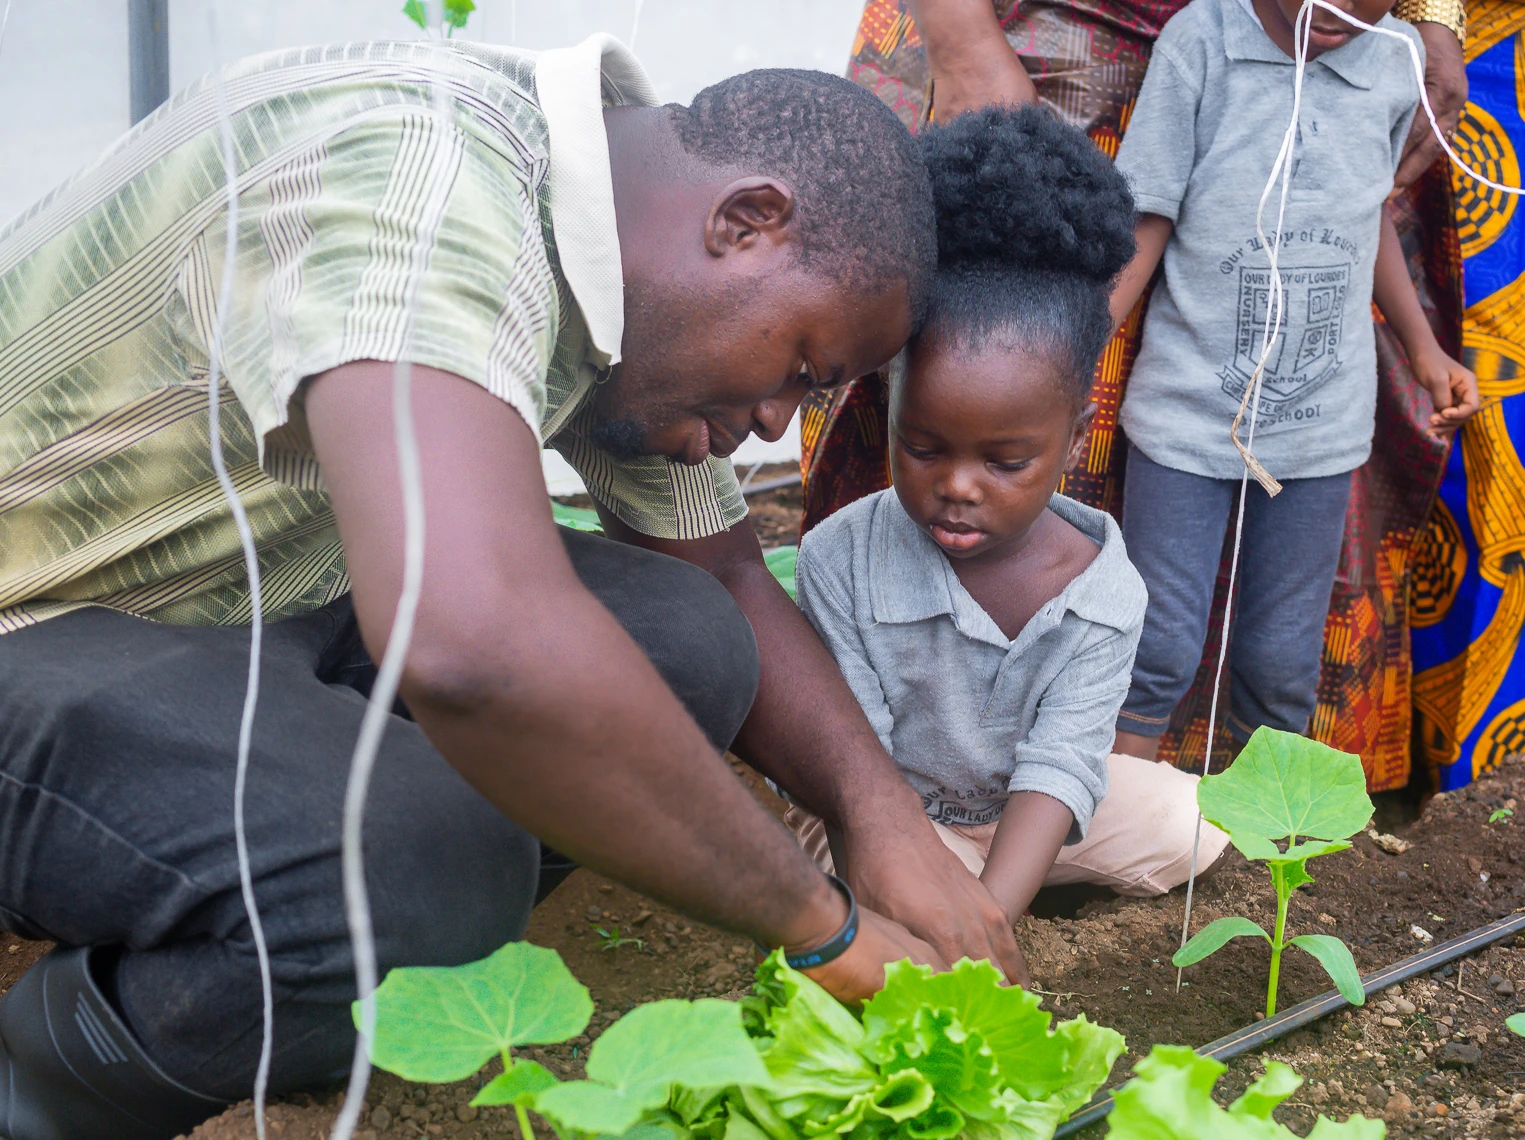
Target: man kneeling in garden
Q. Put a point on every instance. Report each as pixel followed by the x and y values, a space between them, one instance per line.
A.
pixel 640 287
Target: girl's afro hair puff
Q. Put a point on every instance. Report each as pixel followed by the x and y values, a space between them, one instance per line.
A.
pixel 1017 189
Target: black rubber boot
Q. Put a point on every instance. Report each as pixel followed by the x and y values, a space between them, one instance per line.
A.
pixel 71 1070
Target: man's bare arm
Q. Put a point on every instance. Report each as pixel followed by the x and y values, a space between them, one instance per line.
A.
pixel 972 64
pixel 808 733
pixel 531 689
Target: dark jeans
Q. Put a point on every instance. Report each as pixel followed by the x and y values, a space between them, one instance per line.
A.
pixel 117 746
pixel 1174 524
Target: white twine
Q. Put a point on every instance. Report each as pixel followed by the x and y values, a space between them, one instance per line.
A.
pixel 378 709
pixel 1282 169
pixel 635 22
pixel 5 22
pixel 251 567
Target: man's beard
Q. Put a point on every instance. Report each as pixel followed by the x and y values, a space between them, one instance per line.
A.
pixel 623 437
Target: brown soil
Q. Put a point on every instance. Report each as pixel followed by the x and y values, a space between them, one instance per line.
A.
pixel 1110 959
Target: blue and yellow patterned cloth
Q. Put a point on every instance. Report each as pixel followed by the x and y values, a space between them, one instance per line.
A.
pixel 1468 599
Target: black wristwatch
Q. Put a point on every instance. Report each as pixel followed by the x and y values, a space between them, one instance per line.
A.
pixel 835 946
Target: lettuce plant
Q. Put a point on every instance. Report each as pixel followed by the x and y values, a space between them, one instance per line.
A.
pixel 932 1056
pixel 1170 1098
pixel 1284 786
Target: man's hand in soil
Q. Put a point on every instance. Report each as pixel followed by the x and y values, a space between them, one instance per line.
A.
pixel 1445 81
pixel 808 734
pixel 914 878
pixel 859 973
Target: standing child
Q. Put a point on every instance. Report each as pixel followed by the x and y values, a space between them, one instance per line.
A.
pixel 985 623
pixel 1198 150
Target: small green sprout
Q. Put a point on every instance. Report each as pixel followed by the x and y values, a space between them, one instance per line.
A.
pixel 1515 1023
pixel 610 938
pixel 1501 814
pixel 457 12
pixel 1284 786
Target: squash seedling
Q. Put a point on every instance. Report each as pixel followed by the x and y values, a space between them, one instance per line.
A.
pixel 1284 786
pixel 442 1024
pixel 1171 1096
pixel 1515 1023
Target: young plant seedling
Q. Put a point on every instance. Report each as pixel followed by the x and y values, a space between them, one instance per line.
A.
pixel 1515 1023
pixel 456 13
pixel 1171 1099
pixel 1284 786
pixel 611 939
pixel 442 1024
pixel 1501 814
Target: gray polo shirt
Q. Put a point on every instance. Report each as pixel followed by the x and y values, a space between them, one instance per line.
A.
pixel 969 715
pixel 1198 149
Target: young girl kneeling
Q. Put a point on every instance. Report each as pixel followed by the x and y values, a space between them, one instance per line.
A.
pixel 987 624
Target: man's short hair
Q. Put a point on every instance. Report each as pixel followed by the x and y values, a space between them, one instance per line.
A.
pixel 863 198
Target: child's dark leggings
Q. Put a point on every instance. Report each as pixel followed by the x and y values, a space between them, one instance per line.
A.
pixel 1174 524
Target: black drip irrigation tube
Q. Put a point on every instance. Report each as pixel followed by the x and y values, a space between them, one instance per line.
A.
pixel 1251 1036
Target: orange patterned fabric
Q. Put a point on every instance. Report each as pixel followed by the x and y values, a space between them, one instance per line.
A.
pixel 1087 59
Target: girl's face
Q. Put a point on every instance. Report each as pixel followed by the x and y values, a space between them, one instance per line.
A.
pixel 978 442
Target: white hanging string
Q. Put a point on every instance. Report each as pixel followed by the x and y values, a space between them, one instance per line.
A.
pixel 635 23
pixel 1281 170
pixel 251 568
pixel 5 22
pixel 379 707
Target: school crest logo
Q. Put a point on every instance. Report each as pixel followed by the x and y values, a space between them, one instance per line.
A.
pixel 1307 352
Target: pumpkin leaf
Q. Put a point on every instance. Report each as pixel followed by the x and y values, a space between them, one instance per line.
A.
pixel 1284 785
pixel 634 1065
pixel 1170 1098
pixel 1334 956
pixel 1212 938
pixel 520 1085
pixel 437 1023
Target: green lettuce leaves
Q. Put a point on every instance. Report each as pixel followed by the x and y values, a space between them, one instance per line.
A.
pixel 935 1056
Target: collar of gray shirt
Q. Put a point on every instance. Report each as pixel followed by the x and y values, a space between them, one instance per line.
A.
pixel 910 579
pixel 1245 38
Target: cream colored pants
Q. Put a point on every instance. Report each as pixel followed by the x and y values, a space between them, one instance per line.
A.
pixel 1139 842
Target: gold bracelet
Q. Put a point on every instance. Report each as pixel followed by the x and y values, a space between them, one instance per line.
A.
pixel 1447 13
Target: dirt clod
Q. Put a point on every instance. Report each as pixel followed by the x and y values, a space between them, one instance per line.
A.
pixel 1457 1055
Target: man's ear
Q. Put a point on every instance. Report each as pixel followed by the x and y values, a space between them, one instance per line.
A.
pixel 1078 436
pixel 748 211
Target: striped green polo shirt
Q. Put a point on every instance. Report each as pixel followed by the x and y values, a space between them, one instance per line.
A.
pixel 348 186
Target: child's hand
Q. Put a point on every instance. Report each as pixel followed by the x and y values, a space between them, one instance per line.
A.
pixel 1452 386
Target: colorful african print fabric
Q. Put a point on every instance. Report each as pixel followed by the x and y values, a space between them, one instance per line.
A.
pixel 1087 59
pixel 1468 599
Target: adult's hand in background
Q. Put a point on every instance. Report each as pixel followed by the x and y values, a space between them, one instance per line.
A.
pixel 972 64
pixel 1445 81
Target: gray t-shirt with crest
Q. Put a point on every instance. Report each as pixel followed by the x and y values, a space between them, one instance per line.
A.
pixel 1198 149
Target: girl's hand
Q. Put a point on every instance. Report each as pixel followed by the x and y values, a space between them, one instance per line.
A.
pixel 1452 386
